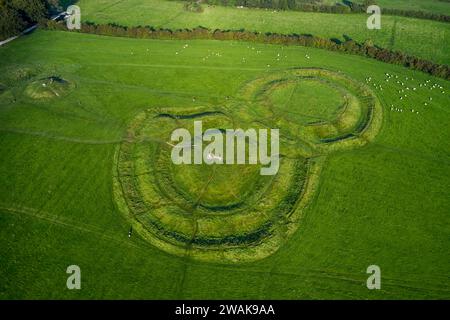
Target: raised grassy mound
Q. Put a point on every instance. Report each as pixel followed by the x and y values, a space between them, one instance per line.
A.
pixel 231 212
pixel 48 88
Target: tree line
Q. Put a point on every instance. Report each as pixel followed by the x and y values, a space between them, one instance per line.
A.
pixel 366 49
pixel 17 15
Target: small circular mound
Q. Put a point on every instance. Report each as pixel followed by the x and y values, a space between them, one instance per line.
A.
pixel 48 88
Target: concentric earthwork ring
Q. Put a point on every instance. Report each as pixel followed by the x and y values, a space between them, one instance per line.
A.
pixel 230 213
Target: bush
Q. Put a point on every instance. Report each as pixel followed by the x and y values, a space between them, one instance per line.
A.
pixel 193 7
pixel 16 15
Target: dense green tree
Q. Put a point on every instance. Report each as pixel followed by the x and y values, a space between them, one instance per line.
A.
pixel 11 22
pixel 283 4
pixel 291 4
pixel 30 10
pixel 15 15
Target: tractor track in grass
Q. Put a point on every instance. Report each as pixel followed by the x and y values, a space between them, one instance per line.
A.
pixel 410 153
pixel 304 273
pixel 64 222
pixel 184 66
pixel 74 116
pixel 393 32
pixel 179 94
pixel 109 6
pixel 172 18
pixel 48 135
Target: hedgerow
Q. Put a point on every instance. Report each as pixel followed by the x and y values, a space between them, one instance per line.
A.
pixel 366 49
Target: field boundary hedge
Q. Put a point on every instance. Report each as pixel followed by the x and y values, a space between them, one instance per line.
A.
pixel 365 49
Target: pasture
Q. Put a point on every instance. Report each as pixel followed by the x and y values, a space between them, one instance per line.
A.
pixel 423 38
pixel 73 108
pixel 432 6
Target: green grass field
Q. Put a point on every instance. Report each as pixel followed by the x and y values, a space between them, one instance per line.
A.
pixel 383 201
pixel 433 6
pixel 423 38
